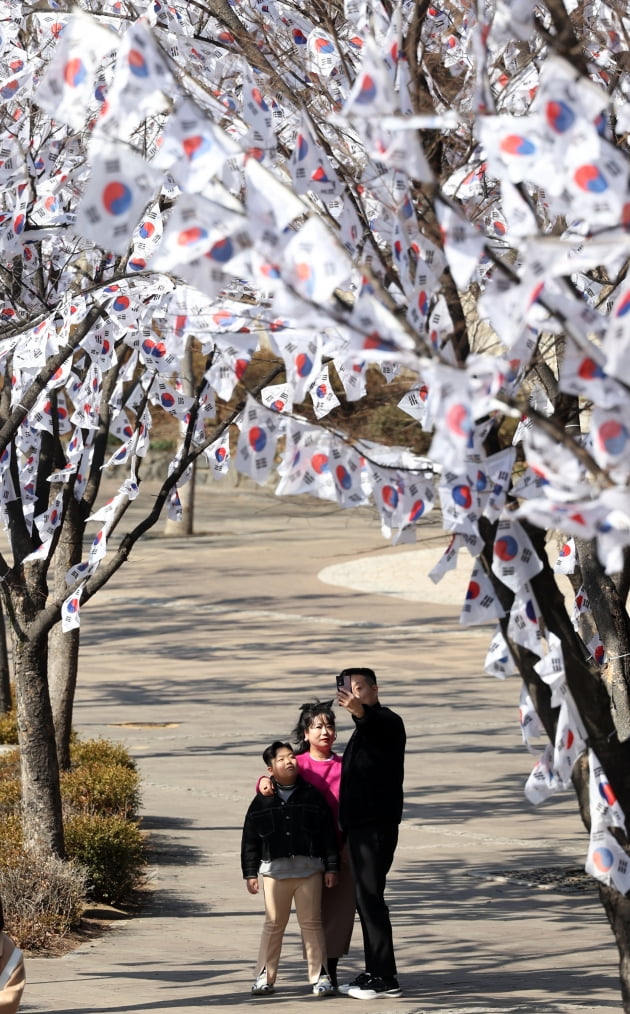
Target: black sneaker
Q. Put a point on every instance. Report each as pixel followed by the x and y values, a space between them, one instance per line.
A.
pixel 375 987
pixel 361 980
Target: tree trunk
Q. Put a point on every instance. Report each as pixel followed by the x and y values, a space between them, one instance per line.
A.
pixel 63 648
pixel 5 672
pixel 41 797
pixel 63 664
pixel 617 908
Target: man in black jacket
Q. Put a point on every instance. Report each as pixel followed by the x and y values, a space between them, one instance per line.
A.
pixel 289 838
pixel 370 810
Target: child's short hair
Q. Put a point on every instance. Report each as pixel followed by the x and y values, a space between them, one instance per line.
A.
pixel 270 752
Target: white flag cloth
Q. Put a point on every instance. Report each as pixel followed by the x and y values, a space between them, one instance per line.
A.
pixel 313 265
pixel 66 89
pixel 584 374
pixel 277 397
pixel 616 344
pixel 514 559
pixel 201 228
pixel 481 605
pixel 310 167
pixel 497 469
pixel 416 403
pixel 401 498
pixel 448 559
pixel 118 190
pixel 460 505
pixel 524 626
pixel 607 861
pixel 597 650
pixel 232 357
pixel 550 668
pixel 372 93
pixel 565 564
pixel 48 522
pixel 256 449
pixel 217 455
pixel 499 661
pixel 70 610
pixel 569 743
pixel 302 358
pixel 542 781
pixel 451 400
pixel 463 244
pixel 305 467
pixel 347 471
pixel 529 721
pixel 352 375
pixel 322 393
pixel 193 148
pixel 604 806
pixel 141 82
pixel 610 439
pixel 564 475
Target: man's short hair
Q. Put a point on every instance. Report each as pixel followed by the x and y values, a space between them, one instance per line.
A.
pixel 357 670
pixel 271 751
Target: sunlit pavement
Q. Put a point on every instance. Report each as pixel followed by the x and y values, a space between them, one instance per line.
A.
pixel 197 656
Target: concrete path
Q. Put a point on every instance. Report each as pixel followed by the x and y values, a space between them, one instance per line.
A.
pixel 198 655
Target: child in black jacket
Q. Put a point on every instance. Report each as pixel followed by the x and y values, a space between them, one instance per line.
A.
pixel 289 838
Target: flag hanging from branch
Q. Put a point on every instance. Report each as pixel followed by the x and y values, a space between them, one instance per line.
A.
pixel 119 188
pixel 514 559
pixel 255 452
pixel 70 610
pixel 542 781
pixel 66 89
pixel 217 455
pixel 481 605
pixel 499 661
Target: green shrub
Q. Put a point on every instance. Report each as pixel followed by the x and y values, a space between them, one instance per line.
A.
pixel 8 727
pixel 10 796
pixel 104 845
pixel 103 779
pixel 10 763
pixel 112 850
pixel 101 787
pixel 42 898
pixel 100 750
pixel 10 838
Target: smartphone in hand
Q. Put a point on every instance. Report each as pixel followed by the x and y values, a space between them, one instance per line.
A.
pixel 343 682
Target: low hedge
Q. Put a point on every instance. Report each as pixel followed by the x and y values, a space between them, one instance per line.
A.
pixel 105 846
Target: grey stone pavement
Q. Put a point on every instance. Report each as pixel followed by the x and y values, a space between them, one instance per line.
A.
pixel 198 654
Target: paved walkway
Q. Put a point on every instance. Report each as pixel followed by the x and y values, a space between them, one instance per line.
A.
pixel 198 655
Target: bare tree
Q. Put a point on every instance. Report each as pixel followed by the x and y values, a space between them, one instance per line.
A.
pixel 439 194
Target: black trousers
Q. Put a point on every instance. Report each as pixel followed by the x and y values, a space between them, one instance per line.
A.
pixel 371 853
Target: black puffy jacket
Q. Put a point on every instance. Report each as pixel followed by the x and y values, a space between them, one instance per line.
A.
pixel 303 826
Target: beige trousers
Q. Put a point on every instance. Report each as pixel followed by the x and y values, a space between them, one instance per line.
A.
pixel 306 892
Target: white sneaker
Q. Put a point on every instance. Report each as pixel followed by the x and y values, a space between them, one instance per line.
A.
pixel 375 988
pixel 323 986
pixel 261 987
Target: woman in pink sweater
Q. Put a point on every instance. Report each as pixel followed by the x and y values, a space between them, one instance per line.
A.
pixel 314 735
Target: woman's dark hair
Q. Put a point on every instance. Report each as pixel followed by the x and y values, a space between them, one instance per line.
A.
pixel 308 713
